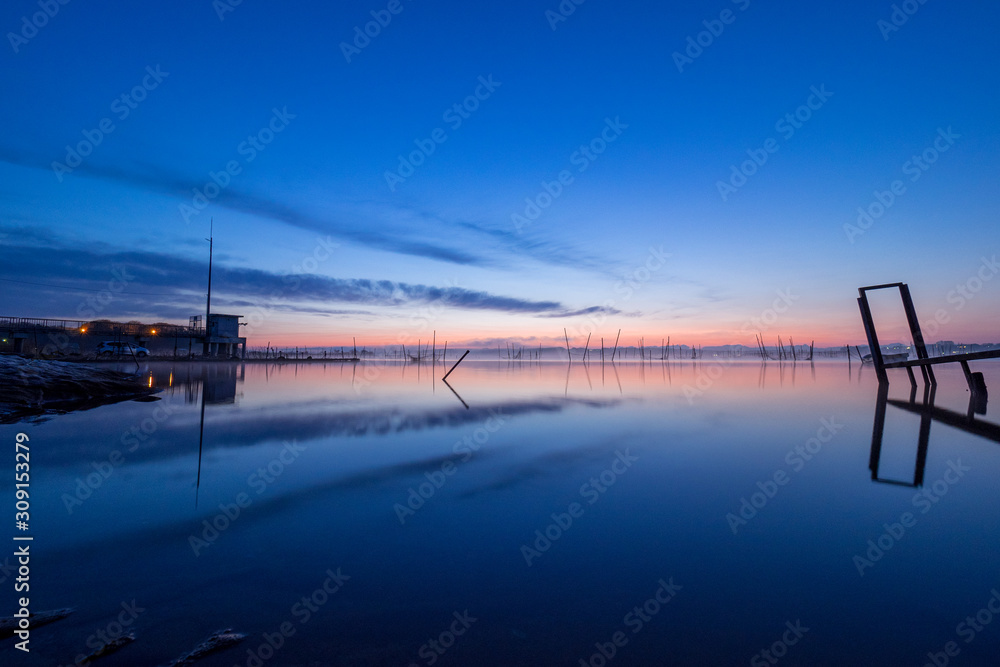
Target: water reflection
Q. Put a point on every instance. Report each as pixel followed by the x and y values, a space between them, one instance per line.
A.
pixel 372 438
pixel 928 413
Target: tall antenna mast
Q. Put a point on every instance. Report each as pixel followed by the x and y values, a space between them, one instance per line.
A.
pixel 208 303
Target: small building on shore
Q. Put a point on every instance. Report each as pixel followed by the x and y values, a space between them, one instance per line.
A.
pixel 223 336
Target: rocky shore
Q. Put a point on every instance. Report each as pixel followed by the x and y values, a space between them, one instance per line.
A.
pixel 35 387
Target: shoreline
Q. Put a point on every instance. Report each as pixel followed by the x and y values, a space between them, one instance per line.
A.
pixel 39 387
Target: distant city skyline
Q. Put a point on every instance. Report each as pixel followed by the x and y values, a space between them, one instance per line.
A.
pixel 704 171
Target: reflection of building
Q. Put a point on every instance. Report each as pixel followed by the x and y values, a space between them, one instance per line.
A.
pixel 216 382
pixel 223 336
pixel 220 383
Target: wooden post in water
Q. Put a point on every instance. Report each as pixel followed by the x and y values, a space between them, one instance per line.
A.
pixel 616 346
pixel 455 366
pixel 586 350
pixel 568 355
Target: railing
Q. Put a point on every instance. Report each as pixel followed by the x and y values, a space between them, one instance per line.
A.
pixel 34 322
pixel 101 327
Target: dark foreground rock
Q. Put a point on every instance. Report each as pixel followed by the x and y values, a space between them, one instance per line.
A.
pixel 34 387
pixel 219 641
pixel 11 624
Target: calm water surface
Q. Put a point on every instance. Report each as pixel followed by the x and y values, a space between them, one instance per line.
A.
pixel 690 514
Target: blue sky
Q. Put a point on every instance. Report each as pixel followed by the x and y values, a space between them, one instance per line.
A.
pixel 440 250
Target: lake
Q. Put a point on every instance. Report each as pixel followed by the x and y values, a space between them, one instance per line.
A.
pixel 696 513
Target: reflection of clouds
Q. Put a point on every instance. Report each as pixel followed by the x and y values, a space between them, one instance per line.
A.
pixel 303 422
pixel 376 423
pixel 552 463
pixel 324 423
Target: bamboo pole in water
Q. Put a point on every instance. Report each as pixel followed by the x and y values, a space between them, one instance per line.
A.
pixel 616 346
pixel 568 355
pixel 455 366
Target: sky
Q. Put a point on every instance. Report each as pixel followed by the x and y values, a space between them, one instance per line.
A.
pixel 489 171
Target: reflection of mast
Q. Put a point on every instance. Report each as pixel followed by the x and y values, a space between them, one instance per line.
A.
pixel 201 440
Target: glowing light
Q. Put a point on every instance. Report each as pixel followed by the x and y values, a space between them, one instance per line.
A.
pixel 153 332
pixel 83 329
pixel 150 381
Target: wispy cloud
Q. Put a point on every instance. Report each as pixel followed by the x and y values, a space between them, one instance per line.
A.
pixel 163 181
pixel 389 228
pixel 152 274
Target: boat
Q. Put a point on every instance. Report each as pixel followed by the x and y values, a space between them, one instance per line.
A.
pixel 888 358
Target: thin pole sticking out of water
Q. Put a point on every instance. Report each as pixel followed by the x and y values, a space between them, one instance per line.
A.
pixel 570 356
pixel 586 350
pixel 616 346
pixel 455 366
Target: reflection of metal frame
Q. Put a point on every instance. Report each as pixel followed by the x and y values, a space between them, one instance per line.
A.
pixel 928 413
